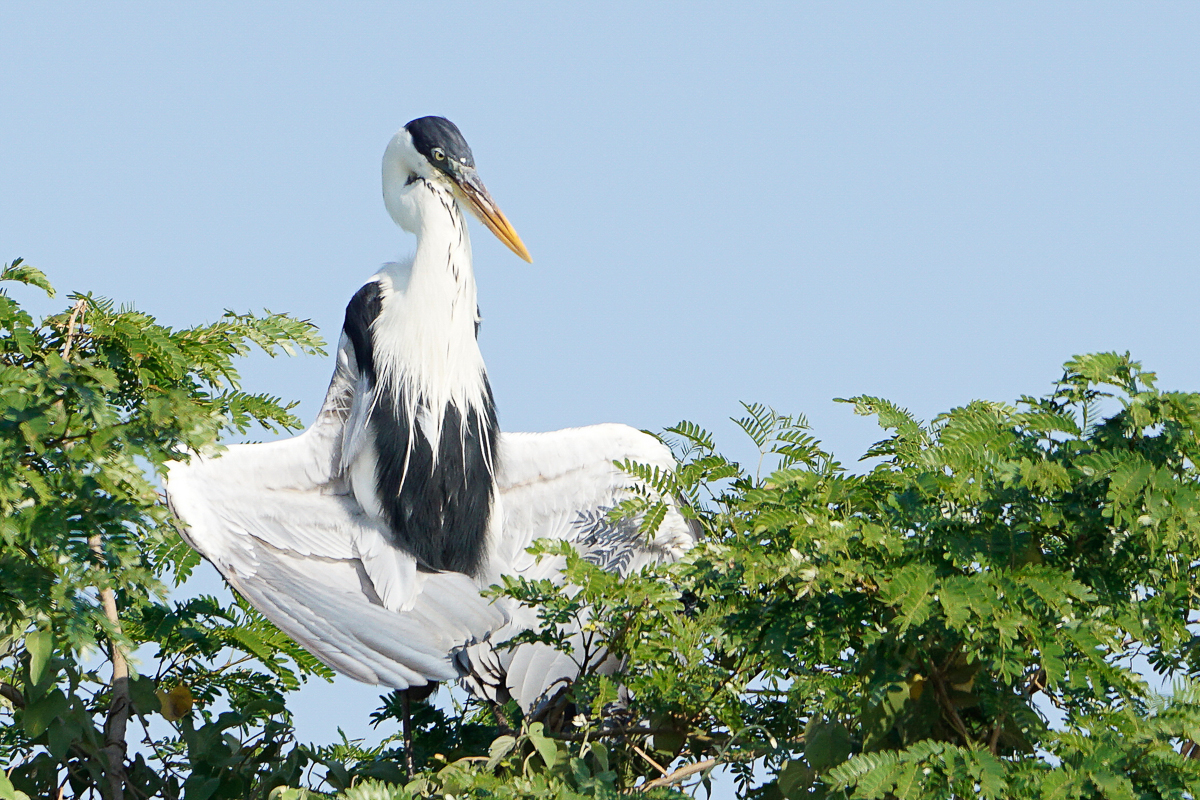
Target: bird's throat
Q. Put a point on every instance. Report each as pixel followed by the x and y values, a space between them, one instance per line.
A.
pixel 425 334
pixel 434 423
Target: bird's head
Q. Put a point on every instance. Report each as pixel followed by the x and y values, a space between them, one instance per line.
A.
pixel 432 150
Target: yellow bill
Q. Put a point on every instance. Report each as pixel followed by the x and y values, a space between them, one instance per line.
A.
pixel 484 207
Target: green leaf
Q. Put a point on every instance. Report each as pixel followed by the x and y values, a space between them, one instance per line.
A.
pixel 7 792
pixel 41 712
pixel 545 747
pixel 500 747
pixel 826 744
pixel 288 793
pixel 600 751
pixel 991 776
pixel 911 590
pixel 795 778
pixel 60 735
pixel 1114 787
pixel 579 770
pixel 1059 784
pixel 23 273
pixel 142 691
pixel 197 787
pixel 40 645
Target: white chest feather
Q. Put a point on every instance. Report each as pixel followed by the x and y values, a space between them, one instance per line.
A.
pixel 424 337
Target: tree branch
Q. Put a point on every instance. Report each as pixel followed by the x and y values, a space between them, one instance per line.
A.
pixel 502 720
pixel 652 762
pixel 701 766
pixel 947 704
pixel 12 694
pixel 994 740
pixel 121 705
pixel 679 774
pixel 119 709
pixel 76 310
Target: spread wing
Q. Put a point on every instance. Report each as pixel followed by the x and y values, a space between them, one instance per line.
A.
pixel 279 522
pixel 560 485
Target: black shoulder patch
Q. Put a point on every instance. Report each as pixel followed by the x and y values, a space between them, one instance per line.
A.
pixel 360 314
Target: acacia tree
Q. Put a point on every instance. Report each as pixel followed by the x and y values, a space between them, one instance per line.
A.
pixel 911 632
pixel 971 615
pixel 93 402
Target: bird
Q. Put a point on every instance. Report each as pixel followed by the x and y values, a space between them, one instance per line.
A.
pixel 371 536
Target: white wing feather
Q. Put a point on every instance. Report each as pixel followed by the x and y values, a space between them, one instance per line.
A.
pixel 560 485
pixel 280 523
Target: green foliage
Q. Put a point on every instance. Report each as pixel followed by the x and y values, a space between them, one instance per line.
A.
pixel 971 614
pixel 531 764
pixel 912 631
pixel 93 402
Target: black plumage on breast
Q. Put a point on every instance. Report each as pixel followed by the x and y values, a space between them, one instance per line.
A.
pixel 436 508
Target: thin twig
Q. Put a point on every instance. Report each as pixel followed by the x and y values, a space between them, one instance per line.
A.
pixel 607 733
pixel 76 311
pixel 1036 682
pixel 653 763
pixel 232 663
pixel 153 745
pixel 994 740
pixel 946 703
pixel 737 669
pixel 701 766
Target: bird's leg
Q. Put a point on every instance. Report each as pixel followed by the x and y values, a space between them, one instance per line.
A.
pixel 406 726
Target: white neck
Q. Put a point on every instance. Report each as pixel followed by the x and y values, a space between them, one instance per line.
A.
pixel 425 333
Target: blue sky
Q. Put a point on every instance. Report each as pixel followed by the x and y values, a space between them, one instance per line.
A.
pixel 782 203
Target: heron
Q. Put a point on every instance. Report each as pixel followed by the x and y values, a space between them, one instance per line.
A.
pixel 370 537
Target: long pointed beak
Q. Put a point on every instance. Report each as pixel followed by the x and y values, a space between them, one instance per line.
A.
pixel 484 207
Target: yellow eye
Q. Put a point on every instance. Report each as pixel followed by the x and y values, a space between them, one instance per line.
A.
pixel 438 154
